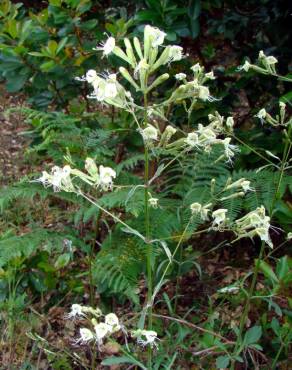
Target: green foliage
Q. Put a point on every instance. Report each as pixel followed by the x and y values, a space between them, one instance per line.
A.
pixel 41 53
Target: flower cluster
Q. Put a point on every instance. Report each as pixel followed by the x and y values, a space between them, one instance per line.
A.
pixel 207 136
pixel 279 120
pixel 103 329
pixel 107 89
pixel 80 311
pixel 239 184
pixel 61 178
pixel 255 223
pixel 266 64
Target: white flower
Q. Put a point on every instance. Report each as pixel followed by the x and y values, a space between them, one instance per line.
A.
pixel 91 167
pixel 263 233
pixel 197 68
pixel 153 202
pixel 206 135
pixel 180 76
pixel 145 337
pixel 245 67
pixel 112 321
pixel 59 179
pixel 86 336
pixel 149 133
pixel 101 331
pixel 155 34
pixel 91 76
pixel 106 174
pixel 210 75
pixel 76 310
pixel 175 53
pixel 230 122
pixel 262 55
pixel 254 223
pixel 169 130
pixel 107 47
pixel 229 149
pixel 289 236
pixel 271 60
pixel 192 139
pixel 110 90
pixel 204 93
pixel 219 217
pixel 195 208
pixel 261 114
pixel 246 186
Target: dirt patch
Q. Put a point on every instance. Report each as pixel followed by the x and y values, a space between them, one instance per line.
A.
pixel 12 141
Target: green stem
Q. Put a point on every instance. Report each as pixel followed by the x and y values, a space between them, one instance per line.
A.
pixel 177 277
pixel 157 288
pixel 247 303
pixel 286 153
pixel 252 149
pixel 147 234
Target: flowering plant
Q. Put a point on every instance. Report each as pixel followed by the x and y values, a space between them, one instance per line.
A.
pixel 135 89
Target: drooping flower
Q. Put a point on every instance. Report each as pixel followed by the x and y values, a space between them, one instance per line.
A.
pixel 106 176
pixel 192 139
pixel 149 133
pixel 261 114
pixel 175 53
pixel 153 202
pixel 112 321
pixel 210 75
pixel 180 76
pixel 145 337
pixel 219 218
pixel 195 208
pixel 197 68
pixel 246 186
pixel 245 67
pixel 230 123
pixel 59 179
pixel 199 209
pixel 229 149
pixel 254 223
pixel 101 331
pixel 86 336
pixel 156 36
pixel 106 47
pixel 76 310
pixel 91 167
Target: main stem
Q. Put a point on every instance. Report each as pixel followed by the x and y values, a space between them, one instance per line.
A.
pixel 147 234
pixel 247 303
pixel 286 152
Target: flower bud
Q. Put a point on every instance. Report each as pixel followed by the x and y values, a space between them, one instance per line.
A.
pixel 124 72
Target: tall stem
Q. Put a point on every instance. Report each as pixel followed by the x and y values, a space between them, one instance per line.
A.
pixel 286 152
pixel 177 277
pixel 147 233
pixel 250 293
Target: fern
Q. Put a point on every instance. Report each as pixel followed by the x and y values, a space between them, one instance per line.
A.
pixel 12 247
